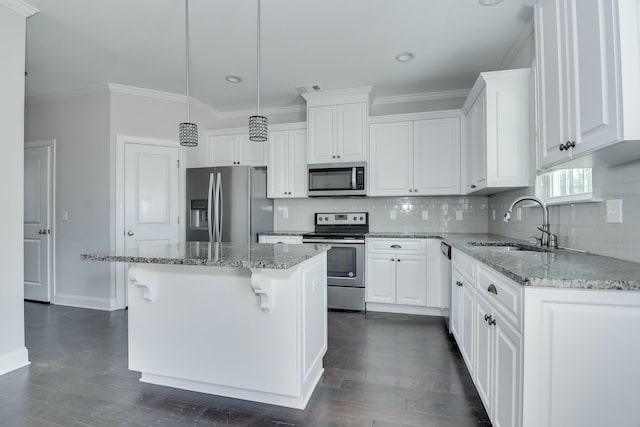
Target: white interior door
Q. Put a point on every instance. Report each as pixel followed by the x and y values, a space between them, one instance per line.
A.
pixel 152 199
pixel 38 180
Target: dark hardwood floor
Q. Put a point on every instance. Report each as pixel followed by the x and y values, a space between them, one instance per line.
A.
pixel 380 370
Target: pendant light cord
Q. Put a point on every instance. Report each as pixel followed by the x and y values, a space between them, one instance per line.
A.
pixel 186 39
pixel 258 61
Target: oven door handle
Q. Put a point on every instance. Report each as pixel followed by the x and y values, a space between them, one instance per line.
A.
pixel 353 178
pixel 348 241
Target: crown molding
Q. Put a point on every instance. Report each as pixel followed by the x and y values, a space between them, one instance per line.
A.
pixel 89 90
pixel 419 97
pixel 18 6
pixel 147 93
pixel 290 109
pixel 518 44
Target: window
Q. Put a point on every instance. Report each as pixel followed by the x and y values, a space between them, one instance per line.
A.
pixel 566 185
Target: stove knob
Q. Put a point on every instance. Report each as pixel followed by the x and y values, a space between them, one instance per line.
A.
pixel 355 218
pixel 319 218
pixel 361 218
pixel 326 218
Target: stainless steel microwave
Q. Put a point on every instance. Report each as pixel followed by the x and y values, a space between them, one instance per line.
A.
pixel 337 179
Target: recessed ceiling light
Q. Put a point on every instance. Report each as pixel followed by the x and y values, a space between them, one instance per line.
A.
pixel 489 2
pixel 233 79
pixel 405 56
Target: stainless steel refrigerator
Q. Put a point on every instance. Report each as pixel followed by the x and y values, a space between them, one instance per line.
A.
pixel 228 204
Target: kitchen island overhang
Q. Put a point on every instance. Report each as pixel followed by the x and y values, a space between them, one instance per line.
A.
pixel 242 321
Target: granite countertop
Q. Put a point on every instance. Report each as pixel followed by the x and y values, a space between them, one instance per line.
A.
pixel 557 268
pixel 402 235
pixel 255 255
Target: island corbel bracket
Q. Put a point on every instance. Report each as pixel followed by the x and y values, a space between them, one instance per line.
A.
pixel 148 292
pixel 262 287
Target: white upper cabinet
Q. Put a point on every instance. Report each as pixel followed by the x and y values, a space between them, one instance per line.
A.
pixel 588 86
pixel 286 169
pixel 236 150
pixel 337 125
pixel 498 132
pixel 415 157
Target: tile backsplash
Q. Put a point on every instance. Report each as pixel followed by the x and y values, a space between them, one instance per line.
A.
pixel 297 214
pixel 583 226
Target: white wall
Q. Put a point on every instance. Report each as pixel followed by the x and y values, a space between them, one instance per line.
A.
pixel 80 126
pixel 13 353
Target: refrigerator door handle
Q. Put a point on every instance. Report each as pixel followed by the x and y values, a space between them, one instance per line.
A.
pixel 219 207
pixel 209 196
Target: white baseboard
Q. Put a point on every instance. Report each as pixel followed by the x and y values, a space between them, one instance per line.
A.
pixel 106 304
pixel 13 360
pixel 404 309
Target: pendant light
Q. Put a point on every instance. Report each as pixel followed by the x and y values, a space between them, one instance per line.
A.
pixel 188 132
pixel 258 123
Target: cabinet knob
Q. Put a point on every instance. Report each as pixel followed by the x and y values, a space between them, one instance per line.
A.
pixel 491 321
pixel 415 190
pixel 338 156
pixel 486 317
pixel 472 186
pixel 561 147
pixel 333 157
pixel 399 260
pixel 573 144
pixel 392 259
pixel 459 283
pixel 130 233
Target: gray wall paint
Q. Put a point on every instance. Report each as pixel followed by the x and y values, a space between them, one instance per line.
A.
pixel 442 213
pixel 80 126
pixel 12 43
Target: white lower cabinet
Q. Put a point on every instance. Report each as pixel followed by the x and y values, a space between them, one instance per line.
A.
pixel 280 239
pixel 462 317
pixel 396 278
pixel 547 356
pixel 497 367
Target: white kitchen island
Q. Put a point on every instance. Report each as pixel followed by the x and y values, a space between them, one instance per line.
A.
pixel 243 321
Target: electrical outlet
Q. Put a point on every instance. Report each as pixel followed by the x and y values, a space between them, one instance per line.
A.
pixel 425 215
pixel 392 214
pixel 285 213
pixel 65 215
pixel 519 214
pixel 459 215
pixel 614 211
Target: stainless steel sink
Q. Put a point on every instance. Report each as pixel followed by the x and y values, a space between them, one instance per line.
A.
pixel 508 247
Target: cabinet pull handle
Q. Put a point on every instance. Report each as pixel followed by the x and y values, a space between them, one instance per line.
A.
pixel 562 146
pixel 491 321
pixel 396 246
pixel 486 317
pixel 459 283
pixel 492 289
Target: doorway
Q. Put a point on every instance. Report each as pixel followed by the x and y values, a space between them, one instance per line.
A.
pixel 149 180
pixel 39 232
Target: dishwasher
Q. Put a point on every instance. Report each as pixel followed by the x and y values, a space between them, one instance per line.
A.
pixel 445 268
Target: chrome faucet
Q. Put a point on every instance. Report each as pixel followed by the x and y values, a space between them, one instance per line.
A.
pixel 548 239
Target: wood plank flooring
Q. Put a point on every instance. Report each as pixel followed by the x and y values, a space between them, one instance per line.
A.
pixel 381 370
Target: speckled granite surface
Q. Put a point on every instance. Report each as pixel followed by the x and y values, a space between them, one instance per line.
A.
pixel 284 233
pixel 255 255
pixel 557 268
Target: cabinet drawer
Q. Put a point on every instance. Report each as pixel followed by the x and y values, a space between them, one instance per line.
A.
pixel 504 294
pixel 465 265
pixel 280 239
pixel 401 246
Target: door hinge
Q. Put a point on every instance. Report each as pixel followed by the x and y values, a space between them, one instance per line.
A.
pixel 178 163
pixel 178 220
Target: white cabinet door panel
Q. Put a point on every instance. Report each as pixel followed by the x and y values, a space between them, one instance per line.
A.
pixel 482 374
pixel 298 163
pixel 323 134
pixel 381 278
pixel 352 126
pixel 411 280
pixel 222 150
pixel 468 304
pixel 390 159
pixel 436 157
pixel 251 153
pixel 278 167
pixel 506 373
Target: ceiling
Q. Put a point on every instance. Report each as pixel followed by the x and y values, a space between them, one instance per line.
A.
pixel 336 44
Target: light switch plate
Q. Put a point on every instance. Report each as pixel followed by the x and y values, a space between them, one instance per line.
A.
pixel 425 215
pixel 392 214
pixel 285 213
pixel 65 215
pixel 459 215
pixel 614 211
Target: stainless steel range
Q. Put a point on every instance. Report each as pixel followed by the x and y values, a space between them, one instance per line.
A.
pixel 345 232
